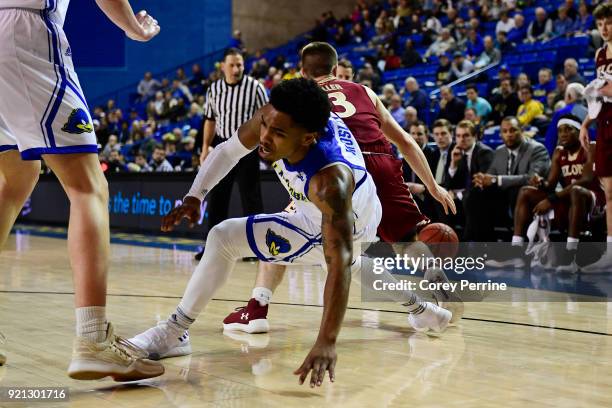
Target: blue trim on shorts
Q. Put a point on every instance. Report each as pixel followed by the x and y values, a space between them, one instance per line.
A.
pixel 35 153
pixel 55 62
pixel 5 148
pixel 251 239
pixel 309 245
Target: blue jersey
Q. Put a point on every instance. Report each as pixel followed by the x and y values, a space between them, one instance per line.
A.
pixel 335 146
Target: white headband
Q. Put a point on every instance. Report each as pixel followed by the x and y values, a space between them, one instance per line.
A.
pixel 569 122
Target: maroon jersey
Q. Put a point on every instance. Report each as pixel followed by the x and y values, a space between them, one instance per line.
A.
pixel 352 103
pixel 604 64
pixel 572 165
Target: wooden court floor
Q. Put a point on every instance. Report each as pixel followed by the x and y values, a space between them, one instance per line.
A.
pixel 515 354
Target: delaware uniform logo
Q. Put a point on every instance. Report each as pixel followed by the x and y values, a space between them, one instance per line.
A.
pixel 78 122
pixel 276 244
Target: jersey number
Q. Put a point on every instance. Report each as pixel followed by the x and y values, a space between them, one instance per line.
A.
pixel 339 99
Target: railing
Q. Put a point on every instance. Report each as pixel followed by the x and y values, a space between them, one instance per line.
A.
pixel 122 95
pixel 465 78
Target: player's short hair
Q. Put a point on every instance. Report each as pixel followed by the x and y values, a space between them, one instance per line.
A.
pixel 469 125
pixel 304 101
pixel 232 51
pixel 344 63
pixel 318 59
pixel 602 11
pixel 443 123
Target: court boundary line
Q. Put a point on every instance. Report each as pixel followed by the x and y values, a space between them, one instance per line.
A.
pixel 475 319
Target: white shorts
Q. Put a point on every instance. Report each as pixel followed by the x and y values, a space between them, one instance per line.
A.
pixel 291 238
pixel 42 108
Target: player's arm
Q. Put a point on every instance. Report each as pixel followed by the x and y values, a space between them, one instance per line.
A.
pixel 331 191
pixel 139 27
pixel 411 152
pixel 554 175
pixel 220 161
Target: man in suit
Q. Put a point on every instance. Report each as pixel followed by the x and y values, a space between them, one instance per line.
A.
pixel 419 132
pixel 439 160
pixel 494 194
pixel 468 157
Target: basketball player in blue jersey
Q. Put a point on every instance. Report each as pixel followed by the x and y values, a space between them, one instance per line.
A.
pixel 320 164
pixel 43 115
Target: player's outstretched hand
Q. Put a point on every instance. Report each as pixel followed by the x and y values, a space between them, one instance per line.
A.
pixel 444 198
pixel 190 209
pixel 321 358
pixel 149 27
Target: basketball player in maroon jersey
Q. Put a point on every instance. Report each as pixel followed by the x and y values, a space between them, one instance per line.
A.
pixel 375 129
pixel 603 151
pixel 572 167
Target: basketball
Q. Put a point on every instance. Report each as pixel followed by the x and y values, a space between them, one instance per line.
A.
pixel 441 239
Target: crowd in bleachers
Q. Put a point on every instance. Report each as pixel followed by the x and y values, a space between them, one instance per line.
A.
pixel 476 60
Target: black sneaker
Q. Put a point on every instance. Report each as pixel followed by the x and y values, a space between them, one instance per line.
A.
pixel 513 256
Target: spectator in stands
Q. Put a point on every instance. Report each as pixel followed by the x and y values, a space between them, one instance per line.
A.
pixel 545 85
pixel 342 37
pixel 147 86
pixel 505 23
pixel 414 96
pixel 468 158
pixel 541 28
pixel 116 162
pixel 574 105
pixel 345 70
pixel 583 24
pixel 368 73
pixel 443 44
pixel 459 33
pixel 433 27
pixel 112 145
pixel 479 104
pixel 397 110
pixel 181 91
pixel 236 41
pixel 197 78
pixel 444 74
pixel 570 70
pixel 522 80
pixel 358 35
pixel 530 108
pixel 494 195
pixel 388 92
pixel 418 131
pixel 474 44
pixel 158 161
pixel 503 44
pixel 471 115
pixel 461 66
pixel 158 103
pixel 505 103
pixel 291 73
pixel 411 116
pixel 490 55
pixel 451 107
pixel 518 34
pixel 181 76
pixel 561 87
pixel 563 25
pixel 141 160
pixel 410 56
pixel 570 8
pixel 392 61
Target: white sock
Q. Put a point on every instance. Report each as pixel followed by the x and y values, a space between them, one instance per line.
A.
pixel 517 240
pixel 609 238
pixel 263 295
pixel 572 244
pixel 91 323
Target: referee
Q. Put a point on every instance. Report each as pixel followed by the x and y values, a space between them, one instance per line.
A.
pixel 230 102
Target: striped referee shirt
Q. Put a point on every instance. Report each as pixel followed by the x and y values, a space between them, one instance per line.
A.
pixel 232 105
